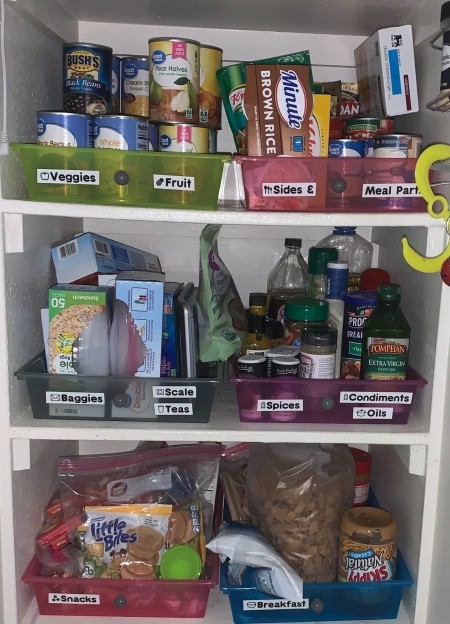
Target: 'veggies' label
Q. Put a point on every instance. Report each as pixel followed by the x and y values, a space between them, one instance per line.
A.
pixel 174 392
pixel 61 398
pixel 67 176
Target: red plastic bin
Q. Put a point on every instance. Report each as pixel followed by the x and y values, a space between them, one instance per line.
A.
pixel 330 184
pixel 326 401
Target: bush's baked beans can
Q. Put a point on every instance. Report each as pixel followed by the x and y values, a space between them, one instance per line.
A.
pixel 87 78
pixel 397 146
pixel 347 148
pixel 135 86
pixel 122 132
pixel 183 138
pixel 367 127
pixel 61 129
pixel 209 100
pixel 153 137
pixel 116 75
pixel 175 80
pixel 212 141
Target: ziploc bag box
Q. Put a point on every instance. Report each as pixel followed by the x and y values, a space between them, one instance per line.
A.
pixel 170 352
pixel 83 257
pixel 386 73
pixel 143 293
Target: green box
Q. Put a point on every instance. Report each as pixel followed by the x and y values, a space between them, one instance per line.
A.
pixel 119 177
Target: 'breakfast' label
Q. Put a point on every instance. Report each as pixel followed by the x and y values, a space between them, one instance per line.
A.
pixel 270 605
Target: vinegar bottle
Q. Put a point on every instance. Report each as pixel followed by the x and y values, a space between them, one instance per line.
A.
pixel 288 279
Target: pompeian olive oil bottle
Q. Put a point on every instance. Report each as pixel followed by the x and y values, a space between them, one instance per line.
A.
pixel 386 335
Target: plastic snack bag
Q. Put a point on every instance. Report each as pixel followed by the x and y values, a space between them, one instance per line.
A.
pixel 222 320
pixel 296 495
pixel 233 476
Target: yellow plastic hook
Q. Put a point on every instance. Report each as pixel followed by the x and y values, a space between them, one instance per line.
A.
pixel 437 206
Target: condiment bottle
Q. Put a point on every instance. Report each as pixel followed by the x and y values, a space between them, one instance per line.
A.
pixel 318 353
pixel 318 258
pixel 367 545
pixel 385 345
pixel 256 341
pixel 337 281
pixel 288 279
pixel 302 314
pixel 363 468
pixel 352 248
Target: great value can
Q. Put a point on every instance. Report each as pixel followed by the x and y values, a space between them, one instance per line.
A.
pixel 347 148
pixel 183 138
pixel 397 146
pixel 358 306
pixel 116 84
pixel 367 127
pixel 61 129
pixel 122 132
pixel 175 80
pixel 212 141
pixel 135 86
pixel 153 137
pixel 209 100
pixel 87 78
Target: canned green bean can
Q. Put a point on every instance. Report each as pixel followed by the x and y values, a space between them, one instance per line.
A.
pixel 87 77
pixel 123 132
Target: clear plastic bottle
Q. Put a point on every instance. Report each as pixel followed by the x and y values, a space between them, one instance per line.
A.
pixel 352 248
pixel 288 279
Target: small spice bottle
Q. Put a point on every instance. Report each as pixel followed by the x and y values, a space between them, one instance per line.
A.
pixel 301 314
pixel 363 468
pixel 318 353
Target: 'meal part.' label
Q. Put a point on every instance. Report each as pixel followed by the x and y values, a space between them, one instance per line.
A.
pixel 173 183
pixel 173 409
pixel 83 398
pixel 358 396
pixel 67 176
pixel 174 392
pixel 390 190
pixel 289 189
pixel 270 605
pixel 80 599
pixel 373 413
pixel 280 405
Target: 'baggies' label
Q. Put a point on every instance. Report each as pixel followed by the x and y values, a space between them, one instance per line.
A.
pixel 358 396
pixel 270 605
pixel 373 413
pixel 173 183
pixel 67 176
pixel 289 189
pixel 81 599
pixel 173 409
pixel 85 398
pixel 174 392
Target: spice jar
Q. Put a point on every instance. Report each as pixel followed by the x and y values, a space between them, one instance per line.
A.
pixel 318 353
pixel 363 467
pixel 303 313
pixel 367 545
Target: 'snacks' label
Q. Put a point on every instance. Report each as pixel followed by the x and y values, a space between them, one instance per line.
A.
pixel 80 599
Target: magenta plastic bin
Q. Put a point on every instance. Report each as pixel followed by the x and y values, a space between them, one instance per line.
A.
pixel 330 184
pixel 326 401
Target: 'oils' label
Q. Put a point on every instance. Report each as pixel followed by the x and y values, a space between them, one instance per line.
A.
pixel 386 359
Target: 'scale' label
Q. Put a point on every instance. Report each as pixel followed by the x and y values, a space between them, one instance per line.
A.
pixel 289 189
pixel 390 190
pixel 174 392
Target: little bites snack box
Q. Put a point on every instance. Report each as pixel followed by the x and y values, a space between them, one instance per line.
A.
pixel 278 104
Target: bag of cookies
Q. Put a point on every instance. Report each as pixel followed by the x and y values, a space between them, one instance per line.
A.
pixel 296 495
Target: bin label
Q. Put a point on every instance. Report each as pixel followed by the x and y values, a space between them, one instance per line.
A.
pixel 71 398
pixel 80 599
pixel 271 605
pixel 373 413
pixel 289 189
pixel 406 189
pixel 173 409
pixel 280 405
pixel 67 176
pixel 173 182
pixel 359 396
pixel 174 392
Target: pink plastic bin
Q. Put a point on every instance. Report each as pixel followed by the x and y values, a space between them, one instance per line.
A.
pixel 326 401
pixel 341 184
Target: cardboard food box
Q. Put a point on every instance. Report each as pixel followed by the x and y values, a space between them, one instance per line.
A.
pixel 83 257
pixel 278 103
pixel 386 73
pixel 319 126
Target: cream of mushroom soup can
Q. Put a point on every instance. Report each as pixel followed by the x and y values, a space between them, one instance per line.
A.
pixel 183 138
pixel 174 80
pixel 209 100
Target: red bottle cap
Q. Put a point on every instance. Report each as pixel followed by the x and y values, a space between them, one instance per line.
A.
pixel 363 460
pixel 371 278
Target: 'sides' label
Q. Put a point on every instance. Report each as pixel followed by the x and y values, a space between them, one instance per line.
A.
pixel 80 599
pixel 173 409
pixel 67 176
pixel 289 189
pixel 270 605
pixel 85 398
pixel 173 183
pixel 390 190
pixel 174 392
pixel 280 405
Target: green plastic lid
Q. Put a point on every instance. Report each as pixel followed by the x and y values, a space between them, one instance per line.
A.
pixel 306 309
pixel 181 563
pixel 389 292
pixel 318 257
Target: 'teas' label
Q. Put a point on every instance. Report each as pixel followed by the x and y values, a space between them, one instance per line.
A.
pixel 173 183
pixel 173 409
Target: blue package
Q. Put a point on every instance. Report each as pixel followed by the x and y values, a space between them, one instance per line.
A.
pixel 170 356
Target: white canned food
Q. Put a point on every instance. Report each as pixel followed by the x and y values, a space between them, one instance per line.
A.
pixel 183 138
pixel 397 146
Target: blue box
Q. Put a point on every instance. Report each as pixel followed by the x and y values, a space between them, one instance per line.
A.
pixel 170 350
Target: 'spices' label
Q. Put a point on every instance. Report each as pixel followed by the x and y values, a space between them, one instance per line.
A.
pixel 173 409
pixel 289 189
pixel 373 413
pixel 174 392
pixel 358 396
pixel 67 176
pixel 390 190
pixel 173 183
pixel 386 359
pixel 84 398
pixel 81 599
pixel 281 405
pixel 270 605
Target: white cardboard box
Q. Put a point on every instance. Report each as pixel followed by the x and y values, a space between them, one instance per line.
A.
pixel 386 73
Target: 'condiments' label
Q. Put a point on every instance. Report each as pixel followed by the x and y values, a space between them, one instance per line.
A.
pixel 386 358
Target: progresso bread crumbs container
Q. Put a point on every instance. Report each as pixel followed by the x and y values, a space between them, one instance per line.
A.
pixel 122 132
pixel 209 100
pixel 135 86
pixel 397 146
pixel 358 306
pixel 175 80
pixel 183 138
pixel 367 545
pixel 59 129
pixel 87 78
